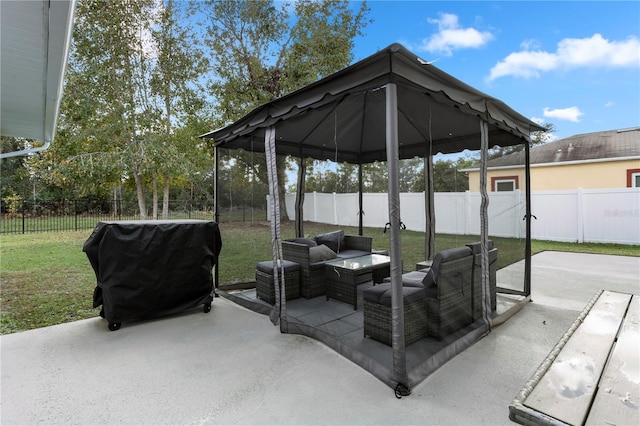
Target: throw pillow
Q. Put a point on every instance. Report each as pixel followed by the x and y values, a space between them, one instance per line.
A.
pixel 334 240
pixel 321 252
pixel 306 241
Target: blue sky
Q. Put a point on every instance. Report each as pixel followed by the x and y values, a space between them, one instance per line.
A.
pixel 573 64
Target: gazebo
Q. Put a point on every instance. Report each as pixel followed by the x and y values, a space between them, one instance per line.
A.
pixel 390 106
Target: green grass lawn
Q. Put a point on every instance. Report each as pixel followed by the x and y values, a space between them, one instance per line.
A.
pixel 46 278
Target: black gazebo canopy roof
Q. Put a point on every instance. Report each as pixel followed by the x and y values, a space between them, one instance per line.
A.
pixel 342 117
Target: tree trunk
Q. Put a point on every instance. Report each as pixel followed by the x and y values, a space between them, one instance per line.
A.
pixel 155 195
pixel 165 198
pixel 115 202
pixel 142 205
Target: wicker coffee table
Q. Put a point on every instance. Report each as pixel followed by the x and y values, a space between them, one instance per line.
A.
pixel 344 276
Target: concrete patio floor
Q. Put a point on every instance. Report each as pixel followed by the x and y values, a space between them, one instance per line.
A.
pixel 232 366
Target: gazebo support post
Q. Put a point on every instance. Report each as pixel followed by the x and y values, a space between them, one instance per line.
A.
pixel 484 223
pixel 216 215
pixel 397 308
pixel 300 188
pixel 360 210
pixel 430 215
pixel 527 247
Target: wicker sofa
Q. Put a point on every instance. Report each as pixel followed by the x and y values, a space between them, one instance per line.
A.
pixel 437 301
pixel 312 253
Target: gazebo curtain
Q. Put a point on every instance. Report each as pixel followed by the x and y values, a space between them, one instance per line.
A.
pixel 397 305
pixel 279 311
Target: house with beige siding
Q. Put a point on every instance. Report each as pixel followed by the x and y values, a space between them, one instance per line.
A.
pixel 609 159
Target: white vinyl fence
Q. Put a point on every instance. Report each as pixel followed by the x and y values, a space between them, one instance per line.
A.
pixel 582 215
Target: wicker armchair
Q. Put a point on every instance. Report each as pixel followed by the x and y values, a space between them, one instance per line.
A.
pixel 476 284
pixel 312 272
pixel 448 289
pixel 377 313
pixel 436 303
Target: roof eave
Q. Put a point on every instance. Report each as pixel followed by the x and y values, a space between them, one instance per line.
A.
pixel 48 45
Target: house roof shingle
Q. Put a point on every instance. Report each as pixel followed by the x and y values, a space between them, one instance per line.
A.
pixel 584 147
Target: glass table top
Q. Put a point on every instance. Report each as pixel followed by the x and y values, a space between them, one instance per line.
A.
pixel 361 262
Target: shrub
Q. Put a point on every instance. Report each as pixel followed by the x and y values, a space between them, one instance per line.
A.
pixel 13 205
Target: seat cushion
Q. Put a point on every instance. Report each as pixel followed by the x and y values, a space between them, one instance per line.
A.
pixel 373 294
pixel 267 266
pixel 409 295
pixel 334 240
pixel 381 294
pixel 411 279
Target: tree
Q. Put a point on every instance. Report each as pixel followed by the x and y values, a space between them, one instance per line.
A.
pixel 106 121
pixel 132 108
pixel 341 178
pixel 543 136
pixel 14 175
pixel 537 138
pixel 175 86
pixel 261 52
pixel 410 170
pixel 446 176
pixel 375 177
pixel 346 178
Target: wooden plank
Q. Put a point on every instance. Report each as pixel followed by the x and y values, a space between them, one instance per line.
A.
pixel 617 400
pixel 566 391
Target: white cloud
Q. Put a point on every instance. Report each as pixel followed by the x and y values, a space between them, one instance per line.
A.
pixel 530 44
pixel 594 51
pixel 609 104
pixel 598 51
pixel 451 36
pixel 538 120
pixel 570 114
pixel 524 64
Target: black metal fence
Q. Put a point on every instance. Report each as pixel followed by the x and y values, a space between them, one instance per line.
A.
pixel 72 215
